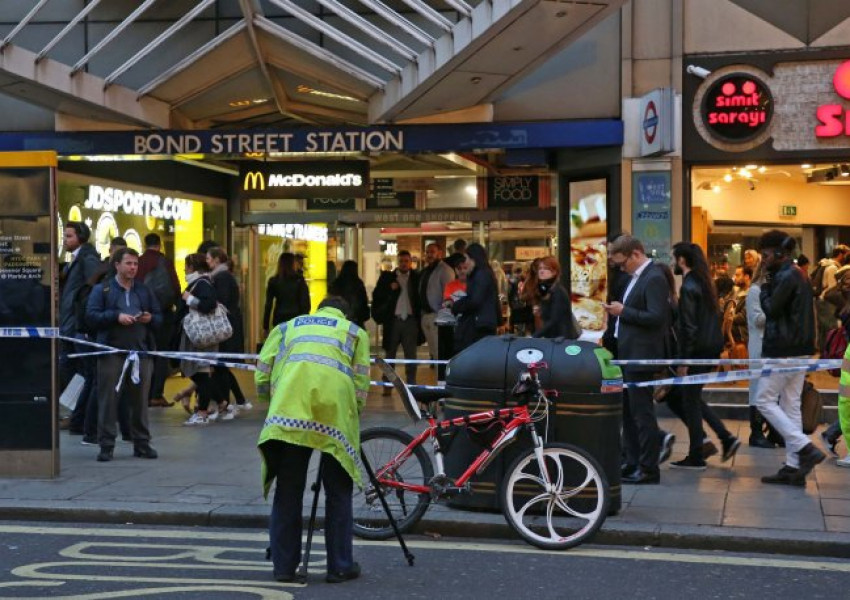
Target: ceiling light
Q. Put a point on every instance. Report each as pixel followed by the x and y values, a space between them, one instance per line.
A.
pixel 259 100
pixel 752 167
pixel 806 166
pixel 762 169
pixel 238 103
pixel 304 89
pixel 745 173
pixel 727 178
pixel 716 189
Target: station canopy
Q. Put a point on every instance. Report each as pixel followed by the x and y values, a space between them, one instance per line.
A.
pixel 205 64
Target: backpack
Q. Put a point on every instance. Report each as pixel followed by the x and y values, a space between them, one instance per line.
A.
pixel 817 279
pixel 834 347
pixel 158 281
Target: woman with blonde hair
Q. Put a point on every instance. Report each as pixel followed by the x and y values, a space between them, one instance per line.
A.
pixel 553 315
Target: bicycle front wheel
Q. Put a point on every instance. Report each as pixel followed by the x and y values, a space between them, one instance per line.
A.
pixel 561 507
pixel 380 445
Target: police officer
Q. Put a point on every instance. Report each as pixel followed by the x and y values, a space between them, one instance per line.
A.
pixel 315 372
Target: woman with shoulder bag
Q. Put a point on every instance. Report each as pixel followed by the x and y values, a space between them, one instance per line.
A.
pixel 199 297
pixel 227 293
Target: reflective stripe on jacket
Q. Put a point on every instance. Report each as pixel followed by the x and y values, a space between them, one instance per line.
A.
pixel 315 372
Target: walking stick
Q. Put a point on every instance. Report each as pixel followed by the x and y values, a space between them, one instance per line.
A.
pixel 317 487
pixel 407 554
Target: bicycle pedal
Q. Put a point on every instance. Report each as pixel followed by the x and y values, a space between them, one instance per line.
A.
pixel 454 490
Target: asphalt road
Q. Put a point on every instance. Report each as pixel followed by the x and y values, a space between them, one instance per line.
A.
pixel 94 562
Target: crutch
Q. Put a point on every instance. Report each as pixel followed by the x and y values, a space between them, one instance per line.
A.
pixel 317 487
pixel 407 554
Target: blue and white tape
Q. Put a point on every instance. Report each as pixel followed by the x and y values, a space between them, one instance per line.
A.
pixel 741 375
pixel 714 362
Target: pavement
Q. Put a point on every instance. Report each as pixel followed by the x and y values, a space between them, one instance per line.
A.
pixel 210 476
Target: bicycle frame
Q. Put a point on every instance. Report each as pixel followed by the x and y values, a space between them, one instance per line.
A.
pixel 515 417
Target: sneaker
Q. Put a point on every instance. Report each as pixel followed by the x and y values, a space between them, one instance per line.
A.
pixel 227 415
pixel 829 442
pixel 213 416
pixel 809 458
pixel 843 462
pixel 689 463
pixel 666 448
pixel 341 576
pixel 786 476
pixel 196 419
pixel 709 449
pixel 245 406
pixel 88 440
pixel 730 447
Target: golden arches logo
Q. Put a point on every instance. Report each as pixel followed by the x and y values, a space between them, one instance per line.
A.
pixel 254 180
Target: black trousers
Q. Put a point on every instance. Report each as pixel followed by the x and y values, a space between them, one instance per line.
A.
pixel 641 438
pixel 289 463
pixel 686 403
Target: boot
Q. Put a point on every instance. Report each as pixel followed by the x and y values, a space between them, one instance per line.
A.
pixel 105 454
pixel 144 450
pixel 757 439
pixel 773 435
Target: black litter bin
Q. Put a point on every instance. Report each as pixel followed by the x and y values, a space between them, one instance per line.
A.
pixel 587 411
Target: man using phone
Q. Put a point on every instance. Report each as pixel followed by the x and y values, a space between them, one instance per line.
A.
pixel 124 313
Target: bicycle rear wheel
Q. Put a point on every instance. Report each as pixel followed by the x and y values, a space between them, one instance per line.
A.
pixel 380 445
pixel 564 514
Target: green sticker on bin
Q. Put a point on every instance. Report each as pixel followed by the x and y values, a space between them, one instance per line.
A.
pixel 572 350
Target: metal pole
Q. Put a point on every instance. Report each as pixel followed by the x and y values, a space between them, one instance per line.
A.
pixel 407 554
pixel 317 487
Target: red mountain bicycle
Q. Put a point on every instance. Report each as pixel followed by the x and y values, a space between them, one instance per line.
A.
pixel 554 495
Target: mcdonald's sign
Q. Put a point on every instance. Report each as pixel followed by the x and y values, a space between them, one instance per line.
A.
pixel 305 179
pixel 254 180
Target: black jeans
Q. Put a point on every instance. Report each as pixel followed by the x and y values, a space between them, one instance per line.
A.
pixel 686 403
pixel 290 463
pixel 225 381
pixel 641 438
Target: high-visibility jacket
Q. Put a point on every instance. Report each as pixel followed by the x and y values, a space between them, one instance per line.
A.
pixel 314 370
pixel 844 395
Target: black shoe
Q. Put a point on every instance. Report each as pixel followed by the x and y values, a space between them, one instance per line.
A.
pixel 709 450
pixel 144 451
pixel 759 441
pixel 627 470
pixel 89 440
pixel 105 454
pixel 641 478
pixel 666 448
pixel 689 463
pixel 786 476
pixel 730 447
pixel 830 442
pixel 291 578
pixel 341 576
pixel 809 458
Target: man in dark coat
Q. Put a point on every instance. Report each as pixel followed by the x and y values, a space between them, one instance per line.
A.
pixel 395 304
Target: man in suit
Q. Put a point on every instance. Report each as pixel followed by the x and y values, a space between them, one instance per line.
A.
pixel 643 318
pixel 395 304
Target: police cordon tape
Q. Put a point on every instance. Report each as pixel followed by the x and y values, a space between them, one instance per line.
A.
pixel 764 367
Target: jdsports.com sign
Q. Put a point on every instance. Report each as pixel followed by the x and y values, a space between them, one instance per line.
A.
pixel 313 179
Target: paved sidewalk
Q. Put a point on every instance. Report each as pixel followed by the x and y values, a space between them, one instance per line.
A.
pixel 211 476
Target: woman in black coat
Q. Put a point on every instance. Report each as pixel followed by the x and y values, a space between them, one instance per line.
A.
pixel 552 308
pixel 287 292
pixel 227 292
pixel 479 312
pixel 349 286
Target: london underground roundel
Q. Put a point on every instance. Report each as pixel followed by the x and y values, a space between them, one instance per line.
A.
pixel 737 108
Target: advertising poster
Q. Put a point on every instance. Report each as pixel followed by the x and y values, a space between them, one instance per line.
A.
pixel 651 212
pixel 589 254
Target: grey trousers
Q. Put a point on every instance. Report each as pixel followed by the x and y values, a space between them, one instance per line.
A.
pixel 405 333
pixel 136 395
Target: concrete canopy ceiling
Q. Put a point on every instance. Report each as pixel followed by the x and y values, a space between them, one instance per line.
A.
pixel 252 63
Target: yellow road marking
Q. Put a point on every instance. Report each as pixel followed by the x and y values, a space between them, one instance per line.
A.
pixel 618 554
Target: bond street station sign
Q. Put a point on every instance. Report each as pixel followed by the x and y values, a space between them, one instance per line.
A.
pixel 305 179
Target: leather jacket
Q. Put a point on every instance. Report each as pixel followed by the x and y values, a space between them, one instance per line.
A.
pixel 698 326
pixel 787 300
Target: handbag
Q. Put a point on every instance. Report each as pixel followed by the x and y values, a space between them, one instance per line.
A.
pixel 205 330
pixel 811 407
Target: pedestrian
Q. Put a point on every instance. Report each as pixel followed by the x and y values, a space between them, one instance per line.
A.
pixel 106 271
pixel 755 333
pixel 157 272
pixel 786 298
pixel 198 296
pixel 822 281
pixel 395 304
pixel 287 294
pixel 125 314
pixel 459 246
pixel 351 288
pixel 550 302
pixel 73 295
pixel 698 336
pixel 740 331
pixel 227 293
pixel 314 371
pixel 642 322
pixel 478 312
pixel 432 283
pixel 804 263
